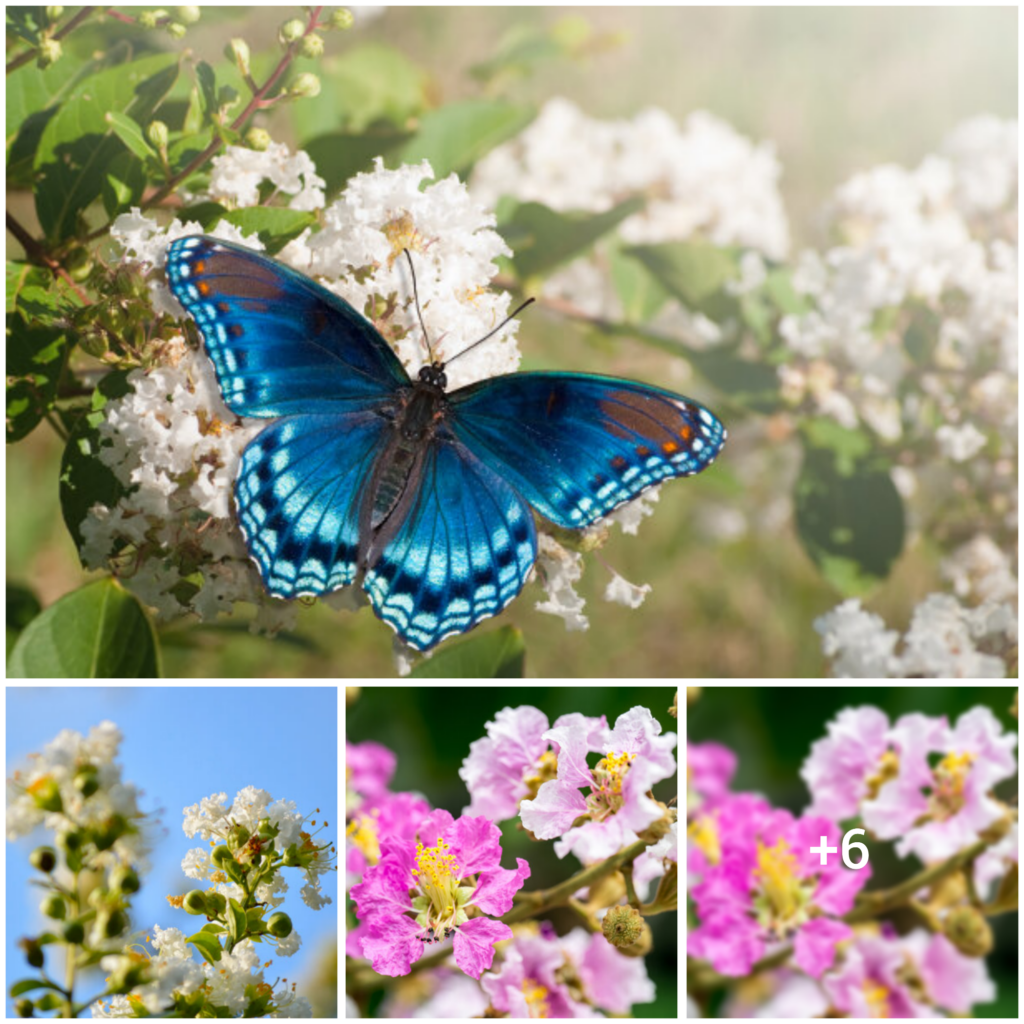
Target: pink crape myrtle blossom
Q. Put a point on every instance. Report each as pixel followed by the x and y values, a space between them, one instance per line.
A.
pixel 735 818
pixel 768 888
pixel 368 770
pixel 778 995
pixel 617 807
pixel 610 981
pixel 887 976
pixel 709 770
pixel 389 814
pixel 439 994
pixel 514 759
pixel 420 892
pixel 953 796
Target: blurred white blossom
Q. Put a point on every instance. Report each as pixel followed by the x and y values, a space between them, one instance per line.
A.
pixel 239 171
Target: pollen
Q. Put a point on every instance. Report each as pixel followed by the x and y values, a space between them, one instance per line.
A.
pixel 616 765
pixel 877 998
pixel 363 832
pixel 536 996
pixel 777 877
pixel 402 234
pixel 704 832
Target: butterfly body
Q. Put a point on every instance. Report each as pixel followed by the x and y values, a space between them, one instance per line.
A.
pixel 424 496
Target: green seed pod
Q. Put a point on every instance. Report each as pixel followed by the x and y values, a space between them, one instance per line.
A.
pixel 215 903
pixel 258 139
pixel 158 134
pixel 238 51
pixel 237 837
pixel 115 923
pixel 221 855
pixel 123 879
pixel 53 14
pixel 74 932
pixel 175 29
pixel 54 906
pixel 187 15
pixel 279 925
pixel 43 858
pixel 305 86
pixel 50 51
pixel 33 952
pixel 195 902
pixel 968 930
pixel 24 1008
pixel 622 926
pixel 79 265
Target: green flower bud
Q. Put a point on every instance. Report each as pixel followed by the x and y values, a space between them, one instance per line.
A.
pixel 216 903
pixel 43 858
pixel 33 952
pixel 86 781
pixel 305 86
pixel 341 17
pixel 175 29
pixel 239 835
pixel 642 946
pixel 45 794
pixel 50 51
pixel 149 19
pixel 114 923
pixel 53 14
pixel 158 134
pixel 109 832
pixel 187 15
pixel 291 31
pixel 195 902
pixel 622 926
pixel 238 51
pixel 259 140
pixel 74 932
pixel 312 46
pixel 279 925
pixel 24 1008
pixel 124 880
pixel 221 855
pixel 968 930
pixel 54 906
pixel 70 842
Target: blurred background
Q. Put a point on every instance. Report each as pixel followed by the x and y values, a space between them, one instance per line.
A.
pixel 181 745
pixel 430 729
pixel 837 90
pixel 771 730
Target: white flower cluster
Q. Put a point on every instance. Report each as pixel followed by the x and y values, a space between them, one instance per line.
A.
pixel 173 969
pixel 212 818
pixel 942 641
pixel 239 171
pixel 50 776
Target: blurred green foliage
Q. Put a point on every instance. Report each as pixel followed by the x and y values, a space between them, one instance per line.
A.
pixel 431 728
pixel 771 730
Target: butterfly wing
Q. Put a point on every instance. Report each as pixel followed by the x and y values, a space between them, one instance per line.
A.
pixel 279 342
pixel 461 554
pixel 576 446
pixel 297 493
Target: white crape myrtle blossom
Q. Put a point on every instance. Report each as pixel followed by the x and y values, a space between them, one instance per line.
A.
pixel 239 171
pixel 981 570
pixel 49 780
pixel 942 641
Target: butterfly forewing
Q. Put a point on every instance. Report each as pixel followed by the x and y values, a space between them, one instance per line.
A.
pixel 279 342
pixel 576 446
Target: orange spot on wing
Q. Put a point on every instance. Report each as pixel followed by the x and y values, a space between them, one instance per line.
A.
pixel 199 266
pixel 203 288
pixel 686 431
pixel 223 307
pixel 669 447
pixel 618 462
pixel 644 452
pixel 236 330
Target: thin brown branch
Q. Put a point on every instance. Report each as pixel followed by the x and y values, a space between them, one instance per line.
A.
pixel 22 59
pixel 38 255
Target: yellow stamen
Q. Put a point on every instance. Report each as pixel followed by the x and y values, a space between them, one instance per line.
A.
pixel 877 997
pixel 776 874
pixel 704 832
pixel 536 998
pixel 362 830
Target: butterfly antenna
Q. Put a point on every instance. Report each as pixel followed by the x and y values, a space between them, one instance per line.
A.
pixel 419 312
pixel 490 334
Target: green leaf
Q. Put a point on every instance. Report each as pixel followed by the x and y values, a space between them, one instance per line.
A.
pixel 28 984
pixel 753 385
pixel 542 238
pixel 181 152
pixel 638 291
pixel 26 277
pixel 124 184
pixel 500 654
pixel 691 271
pixel 78 144
pixel 779 288
pixel 235 919
pixel 341 155
pixel 208 945
pixel 454 137
pixel 129 132
pixel 36 355
pixel 22 606
pixel 922 333
pixel 849 515
pixel 84 479
pixel 364 85
pixel 275 225
pixel 99 631
pixel 50 1001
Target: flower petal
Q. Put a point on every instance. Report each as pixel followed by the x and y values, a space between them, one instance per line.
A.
pixel 497 886
pixel 474 944
pixel 557 806
pixel 475 843
pixel 815 944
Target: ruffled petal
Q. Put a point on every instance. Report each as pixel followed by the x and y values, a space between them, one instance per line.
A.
pixel 497 886
pixel 474 944
pixel 814 948
pixel 551 814
pixel 475 843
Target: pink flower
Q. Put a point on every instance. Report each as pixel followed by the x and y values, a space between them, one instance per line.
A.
pixel 389 814
pixel 452 866
pixel 617 806
pixel 611 981
pixel 709 769
pixel 768 887
pixel 953 796
pixel 514 759
pixel 439 994
pixel 368 769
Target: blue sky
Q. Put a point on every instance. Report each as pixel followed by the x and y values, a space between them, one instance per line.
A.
pixel 182 744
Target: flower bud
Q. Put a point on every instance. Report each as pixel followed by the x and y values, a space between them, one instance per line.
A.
pixel 238 51
pixel 258 139
pixel 312 46
pixel 305 86
pixel 109 832
pixel 622 926
pixel 43 858
pixel 45 794
pixel 86 781
pixel 658 829
pixel 279 925
pixel 674 710
pixel 175 29
pixel 187 15
pixel 237 837
pixel 642 946
pixel 24 1008
pixel 123 879
pixel 50 51
pixel 195 902
pixel 968 930
pixel 216 903
pixel 291 31
pixel 74 932
pixel 53 906
pixel 149 19
pixel 341 18
pixel 70 842
pixel 221 855
pixel 158 134
pixel 53 14
pixel 33 952
pixel 113 923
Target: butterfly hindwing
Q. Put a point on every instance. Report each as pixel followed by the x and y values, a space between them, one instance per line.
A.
pixel 576 446
pixel 462 553
pixel 279 342
pixel 297 493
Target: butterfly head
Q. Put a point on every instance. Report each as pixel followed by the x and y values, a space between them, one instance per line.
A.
pixel 433 374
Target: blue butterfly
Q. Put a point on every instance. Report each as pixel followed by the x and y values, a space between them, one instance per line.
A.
pixel 426 495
